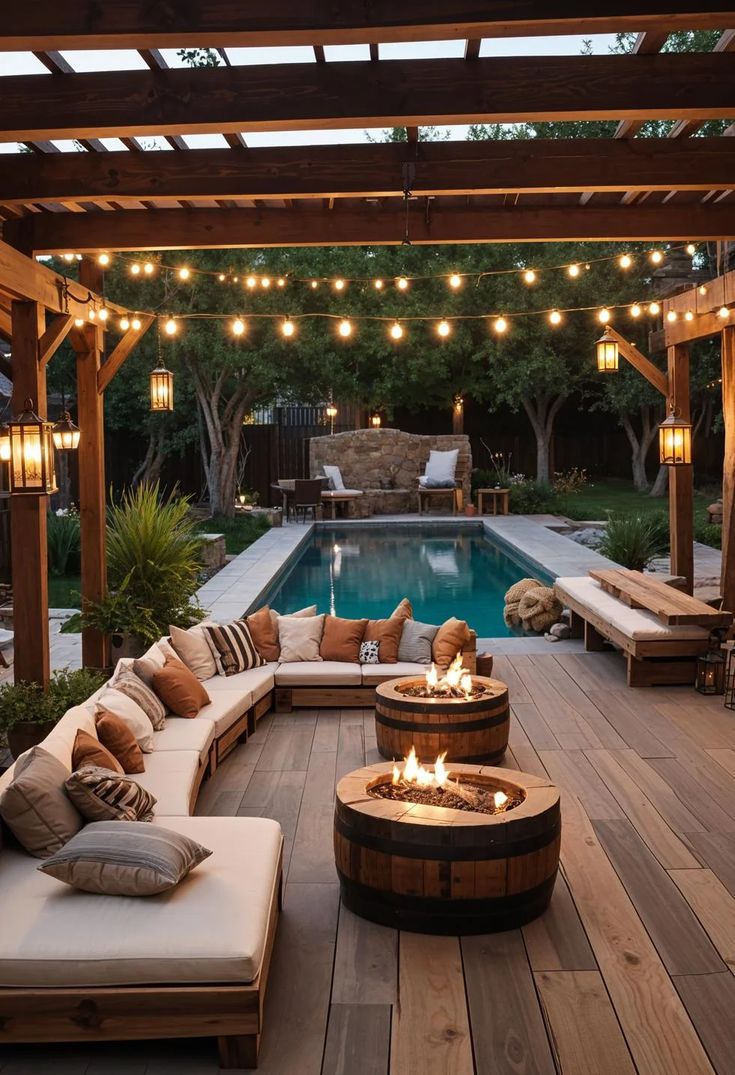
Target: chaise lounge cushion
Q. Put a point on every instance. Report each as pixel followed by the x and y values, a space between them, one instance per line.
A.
pixel 319 674
pixel 378 673
pixel 170 776
pixel 637 623
pixel 210 928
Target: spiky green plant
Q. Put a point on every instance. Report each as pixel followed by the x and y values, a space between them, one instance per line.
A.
pixel 63 542
pixel 633 541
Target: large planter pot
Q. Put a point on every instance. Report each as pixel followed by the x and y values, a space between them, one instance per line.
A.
pixel 24 735
pixel 125 645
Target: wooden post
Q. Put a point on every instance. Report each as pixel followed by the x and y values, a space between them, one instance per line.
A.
pixel 89 343
pixel 681 478
pixel 728 472
pixel 28 513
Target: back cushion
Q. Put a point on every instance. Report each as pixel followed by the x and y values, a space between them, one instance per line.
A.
pixel 341 639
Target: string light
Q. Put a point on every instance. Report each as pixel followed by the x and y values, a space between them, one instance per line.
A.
pixel 251 282
pixel 689 316
pixel 148 268
pixel 124 324
pixel 500 325
pixel 235 279
pixel 702 289
pixel 339 284
pixel 238 327
pixel 603 315
pixel 723 312
pixel 396 331
pixel 443 328
pixel 92 315
pixel 529 277
pixel 314 284
pixel 288 328
pixel 68 257
pixel 378 284
pixel 78 321
pixel 573 271
pixel 671 316
pixel 656 257
pixel 402 283
pixel 170 327
pixel 184 273
pixel 135 323
pixel 221 277
pixel 103 259
pixel 265 282
pixel 555 317
pixel 455 280
pixel 103 314
pixel 691 249
pixel 345 328
pixel 625 261
pixel 281 282
pixel 635 310
pixel 135 269
pixel 654 309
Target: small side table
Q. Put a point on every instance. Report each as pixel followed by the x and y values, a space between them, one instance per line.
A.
pixel 499 499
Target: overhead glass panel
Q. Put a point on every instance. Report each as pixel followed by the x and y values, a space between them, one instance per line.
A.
pixel 104 60
pixel 21 63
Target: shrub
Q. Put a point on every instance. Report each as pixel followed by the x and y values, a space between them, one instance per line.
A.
pixel 63 542
pixel 530 497
pixel 29 702
pixel 569 482
pixel 633 541
pixel 240 531
pixel 709 534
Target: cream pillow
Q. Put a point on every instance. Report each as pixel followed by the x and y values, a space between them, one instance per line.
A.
pixel 193 649
pixel 309 611
pixel 300 637
pixel 122 706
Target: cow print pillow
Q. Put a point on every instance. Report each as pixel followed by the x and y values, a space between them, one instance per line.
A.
pixel 369 653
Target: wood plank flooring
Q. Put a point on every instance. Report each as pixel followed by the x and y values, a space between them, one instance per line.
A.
pixel 631 970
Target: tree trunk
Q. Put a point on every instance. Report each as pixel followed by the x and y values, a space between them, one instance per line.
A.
pixel 541 414
pixel 640 444
pixel 661 483
pixel 152 464
pixel 222 420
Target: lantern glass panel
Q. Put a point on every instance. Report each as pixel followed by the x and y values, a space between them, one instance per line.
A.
pixel 607 356
pixel 66 435
pixel 31 455
pixel 711 673
pixel 675 443
pixel 4 444
pixel 162 389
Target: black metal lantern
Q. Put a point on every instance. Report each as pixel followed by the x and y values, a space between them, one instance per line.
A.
pixel 675 441
pixel 66 435
pixel 31 454
pixel 608 360
pixel 711 673
pixel 162 389
pixel 730 681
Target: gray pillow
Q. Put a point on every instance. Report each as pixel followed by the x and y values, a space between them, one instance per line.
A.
pixel 125 858
pixel 35 806
pixel 415 644
pixel 438 483
pixel 145 669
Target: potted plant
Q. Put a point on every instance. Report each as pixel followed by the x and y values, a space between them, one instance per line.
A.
pixel 27 712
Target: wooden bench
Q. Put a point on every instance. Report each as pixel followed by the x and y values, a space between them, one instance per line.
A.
pixel 669 605
pixel 656 652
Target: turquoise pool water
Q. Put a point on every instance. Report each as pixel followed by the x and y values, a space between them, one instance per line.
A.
pixel 364 572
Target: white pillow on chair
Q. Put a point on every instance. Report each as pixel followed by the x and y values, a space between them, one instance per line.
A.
pixel 440 466
pixel 335 478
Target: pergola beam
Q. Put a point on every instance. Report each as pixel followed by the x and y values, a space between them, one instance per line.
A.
pixel 375 171
pixel 56 332
pixel 184 229
pixel 691 86
pixel 118 356
pixel 87 24
pixel 23 278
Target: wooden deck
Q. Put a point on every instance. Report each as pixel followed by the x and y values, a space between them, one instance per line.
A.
pixel 630 970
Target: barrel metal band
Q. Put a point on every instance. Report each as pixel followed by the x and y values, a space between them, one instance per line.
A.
pixel 452 728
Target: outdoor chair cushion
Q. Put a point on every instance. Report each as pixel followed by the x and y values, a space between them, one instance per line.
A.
pixel 210 928
pixel 255 683
pixel 637 623
pixel 183 734
pixel 170 776
pixel 232 647
pixel 416 641
pixel 129 683
pixel 336 482
pixel 377 673
pixel 225 707
pixel 319 674
pixel 114 701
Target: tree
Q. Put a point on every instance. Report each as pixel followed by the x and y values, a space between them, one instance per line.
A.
pixel 639 408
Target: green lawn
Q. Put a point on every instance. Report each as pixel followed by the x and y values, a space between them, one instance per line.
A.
pixel 61 591
pixel 239 532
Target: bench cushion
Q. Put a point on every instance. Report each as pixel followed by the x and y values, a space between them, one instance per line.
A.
pixel 225 707
pixel 636 623
pixel 181 733
pixel 256 682
pixel 319 674
pixel 378 673
pixel 170 776
pixel 209 928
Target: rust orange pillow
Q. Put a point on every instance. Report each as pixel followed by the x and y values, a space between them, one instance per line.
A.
pixel 115 735
pixel 179 689
pixel 341 639
pixel 89 751
pixel 403 610
pixel 264 633
pixel 387 633
pixel 452 636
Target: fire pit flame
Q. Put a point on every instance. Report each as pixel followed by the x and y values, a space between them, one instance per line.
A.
pixel 456 681
pixel 414 773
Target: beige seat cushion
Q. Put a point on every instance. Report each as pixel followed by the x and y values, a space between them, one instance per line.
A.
pixel 170 776
pixel 183 734
pixel 377 673
pixel 637 623
pixel 257 682
pixel 210 928
pixel 319 674
pixel 225 708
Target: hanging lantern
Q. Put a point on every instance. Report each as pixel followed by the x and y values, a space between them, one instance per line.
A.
pixel 675 441
pixel 607 353
pixel 375 421
pixel 4 444
pixel 331 411
pixel 711 671
pixel 66 435
pixel 31 454
pixel 162 389
pixel 730 681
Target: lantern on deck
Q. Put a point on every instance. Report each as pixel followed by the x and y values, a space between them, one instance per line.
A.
pixel 31 453
pixel 711 668
pixel 162 389
pixel 730 681
pixel 66 435
pixel 675 441
pixel 608 359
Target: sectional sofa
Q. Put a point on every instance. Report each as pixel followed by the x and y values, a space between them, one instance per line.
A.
pixel 193 961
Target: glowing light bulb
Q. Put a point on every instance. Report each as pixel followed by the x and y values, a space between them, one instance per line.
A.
pixel 103 313
pixel 635 310
pixel 251 282
pixel 103 259
pixel 656 257
pixel 124 324
pixel 555 317
pixel 235 279
pixel 443 328
pixel 500 325
pixel 529 277
pixel 265 282
pixel 573 271
pixel 339 284
pixel 702 289
pixel 455 280
pixel 345 328
pixel 78 321
pixel 671 315
pixel 221 277
pixel 170 327
pixel 148 268
pixel 723 312
pixel 135 323
pixel 378 285
pixel 281 281
pixel 238 326
pixel 689 316
pixel 654 309
pixel 603 315
pixel 184 273
pixel 691 249
pixel 68 257
pixel 314 284
pixel 92 315
pixel 401 283
pixel 396 331
pixel 135 269
pixel 288 328
pixel 625 261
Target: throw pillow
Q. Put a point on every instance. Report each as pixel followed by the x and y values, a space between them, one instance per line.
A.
pixel 232 647
pixel 89 751
pixel 264 633
pixel 341 639
pixel 300 637
pixel 437 483
pixel 416 642
pixel 369 653
pixel 180 689
pixel 403 610
pixel 114 701
pixel 441 466
pixel 452 636
pixel 101 794
pixel 334 474
pixel 144 668
pixel 310 610
pixel 387 635
pixel 133 687
pixel 114 734
pixel 35 806
pixel 125 858
pixel 193 649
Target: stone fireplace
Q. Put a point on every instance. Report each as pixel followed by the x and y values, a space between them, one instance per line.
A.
pixel 386 464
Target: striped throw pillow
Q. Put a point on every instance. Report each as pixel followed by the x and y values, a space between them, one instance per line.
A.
pixel 103 795
pixel 130 684
pixel 232 647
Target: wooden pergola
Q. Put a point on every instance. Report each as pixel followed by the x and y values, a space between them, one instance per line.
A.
pixel 677 188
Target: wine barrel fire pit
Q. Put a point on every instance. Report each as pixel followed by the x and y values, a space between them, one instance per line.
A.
pixel 485 863
pixel 470 726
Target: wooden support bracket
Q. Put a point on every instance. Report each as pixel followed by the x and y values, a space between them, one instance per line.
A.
pixel 117 358
pixel 631 354
pixel 55 334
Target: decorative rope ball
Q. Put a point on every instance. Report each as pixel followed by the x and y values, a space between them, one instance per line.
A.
pixel 512 599
pixel 539 609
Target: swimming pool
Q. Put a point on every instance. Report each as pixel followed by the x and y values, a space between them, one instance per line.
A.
pixel 445 570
